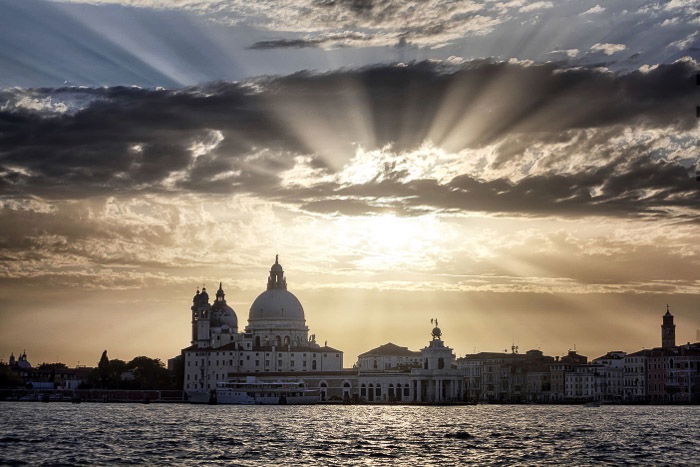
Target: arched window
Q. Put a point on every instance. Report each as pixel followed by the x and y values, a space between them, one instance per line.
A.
pixel 441 363
pixel 425 364
pixel 257 341
pixel 363 391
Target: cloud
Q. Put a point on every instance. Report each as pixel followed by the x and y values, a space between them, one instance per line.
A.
pixel 608 49
pixel 535 6
pixel 686 43
pixel 594 10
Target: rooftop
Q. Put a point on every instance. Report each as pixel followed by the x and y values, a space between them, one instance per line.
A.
pixel 391 350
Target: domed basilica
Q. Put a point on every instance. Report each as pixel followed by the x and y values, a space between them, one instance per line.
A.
pixel 275 340
pixel 275 346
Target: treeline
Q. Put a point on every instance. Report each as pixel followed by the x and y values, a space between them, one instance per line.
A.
pixel 139 373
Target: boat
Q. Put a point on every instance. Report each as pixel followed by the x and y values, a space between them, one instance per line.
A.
pixel 592 404
pixel 254 392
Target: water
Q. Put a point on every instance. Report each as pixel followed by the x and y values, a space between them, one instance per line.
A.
pixel 64 433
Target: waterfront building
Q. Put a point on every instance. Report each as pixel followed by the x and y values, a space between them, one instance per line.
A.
pixel 559 370
pixel 666 374
pixel 428 376
pixel 507 377
pixel 276 346
pixel 276 339
pixel 611 368
pixel 635 379
pixel 580 383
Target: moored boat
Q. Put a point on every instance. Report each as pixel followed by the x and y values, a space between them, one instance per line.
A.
pixel 254 392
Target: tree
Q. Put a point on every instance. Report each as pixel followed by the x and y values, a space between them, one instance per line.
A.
pixel 150 373
pixel 8 378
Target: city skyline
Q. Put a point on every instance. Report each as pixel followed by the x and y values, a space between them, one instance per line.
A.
pixel 523 170
pixel 515 346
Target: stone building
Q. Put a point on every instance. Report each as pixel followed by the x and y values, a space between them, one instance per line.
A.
pixel 276 339
pixel 276 346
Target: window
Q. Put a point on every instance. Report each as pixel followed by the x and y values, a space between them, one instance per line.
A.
pixel 313 365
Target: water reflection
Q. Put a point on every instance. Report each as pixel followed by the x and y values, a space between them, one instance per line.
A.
pixel 53 433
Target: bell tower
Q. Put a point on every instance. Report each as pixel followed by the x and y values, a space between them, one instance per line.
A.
pixel 668 330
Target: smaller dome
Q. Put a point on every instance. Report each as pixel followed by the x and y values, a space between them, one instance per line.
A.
pixel 229 318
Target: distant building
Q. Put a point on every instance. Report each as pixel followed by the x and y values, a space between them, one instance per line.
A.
pixel 47 376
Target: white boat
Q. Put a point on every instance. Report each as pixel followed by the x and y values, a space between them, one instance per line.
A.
pixel 253 392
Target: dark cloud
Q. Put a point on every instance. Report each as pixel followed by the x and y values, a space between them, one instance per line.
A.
pixel 285 44
pixel 124 140
pixel 333 40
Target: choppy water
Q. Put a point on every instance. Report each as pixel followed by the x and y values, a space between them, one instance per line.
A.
pixel 64 433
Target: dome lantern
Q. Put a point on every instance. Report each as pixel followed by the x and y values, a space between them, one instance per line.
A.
pixel 276 279
pixel 220 294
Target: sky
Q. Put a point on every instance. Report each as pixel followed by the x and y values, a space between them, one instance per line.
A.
pixel 524 171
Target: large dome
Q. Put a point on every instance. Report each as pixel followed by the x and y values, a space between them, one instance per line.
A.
pixel 224 316
pixel 276 304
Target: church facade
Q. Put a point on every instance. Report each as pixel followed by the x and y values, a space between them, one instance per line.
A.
pixel 276 346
